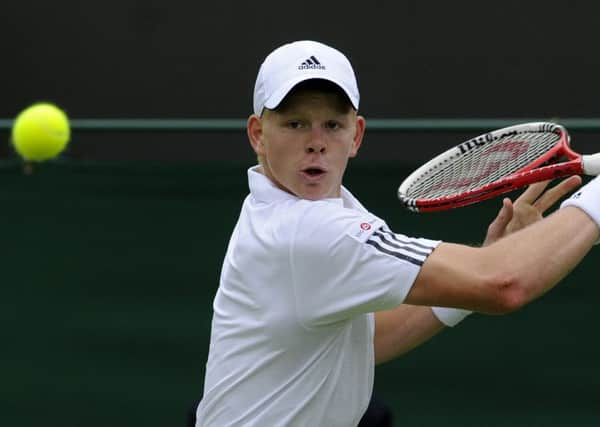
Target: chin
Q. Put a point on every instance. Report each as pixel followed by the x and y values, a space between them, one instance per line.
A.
pixel 316 195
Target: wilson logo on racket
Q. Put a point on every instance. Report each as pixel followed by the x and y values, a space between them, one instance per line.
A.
pixel 484 139
pixel 492 164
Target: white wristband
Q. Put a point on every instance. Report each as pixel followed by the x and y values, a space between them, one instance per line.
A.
pixel 587 198
pixel 450 316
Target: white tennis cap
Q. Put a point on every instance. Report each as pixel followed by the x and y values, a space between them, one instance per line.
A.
pixel 296 62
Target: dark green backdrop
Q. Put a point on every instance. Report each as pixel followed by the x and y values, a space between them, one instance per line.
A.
pixel 108 274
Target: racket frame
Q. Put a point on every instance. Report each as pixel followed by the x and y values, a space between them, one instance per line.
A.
pixel 535 171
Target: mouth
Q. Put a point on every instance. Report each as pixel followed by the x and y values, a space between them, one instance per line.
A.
pixel 313 172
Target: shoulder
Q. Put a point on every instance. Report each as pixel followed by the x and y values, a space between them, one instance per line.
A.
pixel 321 225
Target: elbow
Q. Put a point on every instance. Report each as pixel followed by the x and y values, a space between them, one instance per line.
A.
pixel 507 295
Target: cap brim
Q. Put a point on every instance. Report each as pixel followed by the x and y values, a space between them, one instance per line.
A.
pixel 278 96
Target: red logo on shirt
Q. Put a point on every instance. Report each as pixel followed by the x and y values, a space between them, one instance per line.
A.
pixel 365 226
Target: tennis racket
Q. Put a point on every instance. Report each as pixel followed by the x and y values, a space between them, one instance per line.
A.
pixel 492 164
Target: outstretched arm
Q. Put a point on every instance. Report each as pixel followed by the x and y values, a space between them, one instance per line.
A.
pixel 515 269
pixel 403 328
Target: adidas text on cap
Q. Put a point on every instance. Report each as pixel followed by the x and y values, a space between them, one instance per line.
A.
pixel 296 62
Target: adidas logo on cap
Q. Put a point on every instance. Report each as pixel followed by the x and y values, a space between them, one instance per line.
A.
pixel 311 63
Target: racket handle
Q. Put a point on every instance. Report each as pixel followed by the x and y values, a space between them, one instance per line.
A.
pixel 591 164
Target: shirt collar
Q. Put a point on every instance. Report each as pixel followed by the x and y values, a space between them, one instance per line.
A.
pixel 263 189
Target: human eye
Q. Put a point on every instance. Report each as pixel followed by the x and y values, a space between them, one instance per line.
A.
pixel 294 124
pixel 332 125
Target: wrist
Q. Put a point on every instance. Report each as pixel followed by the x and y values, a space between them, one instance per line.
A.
pixel 587 198
pixel 450 316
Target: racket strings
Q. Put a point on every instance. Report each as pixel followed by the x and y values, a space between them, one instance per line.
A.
pixel 482 165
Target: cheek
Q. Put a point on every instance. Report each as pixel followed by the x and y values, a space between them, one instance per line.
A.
pixel 275 152
pixel 353 151
pixel 284 148
pixel 280 156
pixel 350 148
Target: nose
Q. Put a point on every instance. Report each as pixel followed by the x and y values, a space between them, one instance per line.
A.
pixel 316 142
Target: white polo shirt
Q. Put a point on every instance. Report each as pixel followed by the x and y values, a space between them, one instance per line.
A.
pixel 293 324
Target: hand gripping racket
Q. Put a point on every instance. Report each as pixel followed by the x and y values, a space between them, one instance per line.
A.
pixel 494 163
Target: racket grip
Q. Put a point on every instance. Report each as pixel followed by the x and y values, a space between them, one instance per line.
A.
pixel 591 164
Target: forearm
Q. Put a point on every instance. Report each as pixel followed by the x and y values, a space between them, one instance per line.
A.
pixel 399 330
pixel 509 273
pixel 561 242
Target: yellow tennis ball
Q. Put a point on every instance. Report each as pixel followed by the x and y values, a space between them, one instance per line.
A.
pixel 41 132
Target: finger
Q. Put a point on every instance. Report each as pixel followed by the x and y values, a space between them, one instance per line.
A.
pixel 554 194
pixel 506 212
pixel 498 226
pixel 533 191
pixel 504 216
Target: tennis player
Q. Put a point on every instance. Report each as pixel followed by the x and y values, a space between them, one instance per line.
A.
pixel 315 289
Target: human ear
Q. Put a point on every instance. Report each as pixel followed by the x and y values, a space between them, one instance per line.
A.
pixel 255 133
pixel 359 133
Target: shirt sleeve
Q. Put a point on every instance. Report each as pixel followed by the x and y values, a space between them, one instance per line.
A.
pixel 345 263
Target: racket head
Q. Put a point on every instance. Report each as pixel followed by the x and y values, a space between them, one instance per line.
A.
pixel 489 165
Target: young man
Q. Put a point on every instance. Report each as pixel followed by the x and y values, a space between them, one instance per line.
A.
pixel 315 289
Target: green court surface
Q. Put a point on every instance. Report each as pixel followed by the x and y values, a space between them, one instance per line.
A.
pixel 108 274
